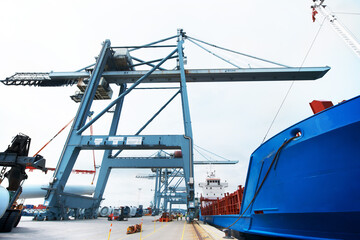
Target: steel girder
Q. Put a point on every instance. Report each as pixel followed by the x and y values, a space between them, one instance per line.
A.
pixel 172 76
pixel 168 190
pixel 58 202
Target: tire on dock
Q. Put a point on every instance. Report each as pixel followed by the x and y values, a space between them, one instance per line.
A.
pixel 9 220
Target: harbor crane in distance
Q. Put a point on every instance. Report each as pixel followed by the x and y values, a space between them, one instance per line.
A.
pixel 115 65
pixel 168 181
pixel 167 188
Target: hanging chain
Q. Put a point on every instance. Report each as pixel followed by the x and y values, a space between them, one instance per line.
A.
pixel 2 174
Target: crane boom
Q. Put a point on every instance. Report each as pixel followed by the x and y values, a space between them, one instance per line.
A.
pixel 337 26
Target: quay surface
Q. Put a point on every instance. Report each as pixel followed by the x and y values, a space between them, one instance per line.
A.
pixel 100 228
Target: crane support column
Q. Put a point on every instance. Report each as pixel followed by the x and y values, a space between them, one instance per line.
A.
pixel 158 198
pixel 157 180
pixel 104 171
pixel 70 152
pixel 188 154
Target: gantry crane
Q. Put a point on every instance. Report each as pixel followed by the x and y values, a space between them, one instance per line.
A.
pixel 114 65
pixel 167 181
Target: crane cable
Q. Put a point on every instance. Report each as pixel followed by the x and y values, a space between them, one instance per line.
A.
pixel 91 133
pixel 286 142
pixel 93 152
pixel 236 52
pixel 53 137
pixel 209 152
pixel 267 173
pixel 292 83
pixel 350 13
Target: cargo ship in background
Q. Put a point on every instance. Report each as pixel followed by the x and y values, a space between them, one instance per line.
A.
pixel 303 183
pixel 213 187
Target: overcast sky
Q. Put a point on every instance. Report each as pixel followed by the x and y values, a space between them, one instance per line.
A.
pixel 229 119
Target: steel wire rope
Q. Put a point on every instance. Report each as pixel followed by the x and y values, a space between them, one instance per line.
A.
pixel 91 132
pixel 152 155
pixel 214 54
pixel 286 142
pixel 292 83
pixel 263 181
pixel 239 53
pixel 350 13
pixel 211 152
pixel 53 137
pixel 206 157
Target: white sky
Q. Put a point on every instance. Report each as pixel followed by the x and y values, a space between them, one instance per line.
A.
pixel 229 119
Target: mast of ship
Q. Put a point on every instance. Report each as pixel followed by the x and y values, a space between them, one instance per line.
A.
pixel 339 28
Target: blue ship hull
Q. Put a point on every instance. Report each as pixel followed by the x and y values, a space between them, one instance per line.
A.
pixel 314 190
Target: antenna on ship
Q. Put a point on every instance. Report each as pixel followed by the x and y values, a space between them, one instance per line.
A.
pixel 339 28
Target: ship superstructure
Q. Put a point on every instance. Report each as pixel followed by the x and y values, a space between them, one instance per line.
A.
pixel 213 188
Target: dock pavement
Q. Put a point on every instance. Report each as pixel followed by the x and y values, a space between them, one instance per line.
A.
pixel 101 228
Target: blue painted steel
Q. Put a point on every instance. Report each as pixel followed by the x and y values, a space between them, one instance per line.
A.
pixel 166 186
pixel 148 62
pixel 187 155
pixel 170 193
pixel 192 75
pixel 142 163
pixel 142 61
pixel 313 192
pixel 125 93
pixel 158 200
pixel 214 53
pixel 152 118
pixel 59 203
pixel 102 142
pixel 153 43
pixel 89 94
pixel 176 195
pixel 70 151
pixel 155 205
pixel 105 171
